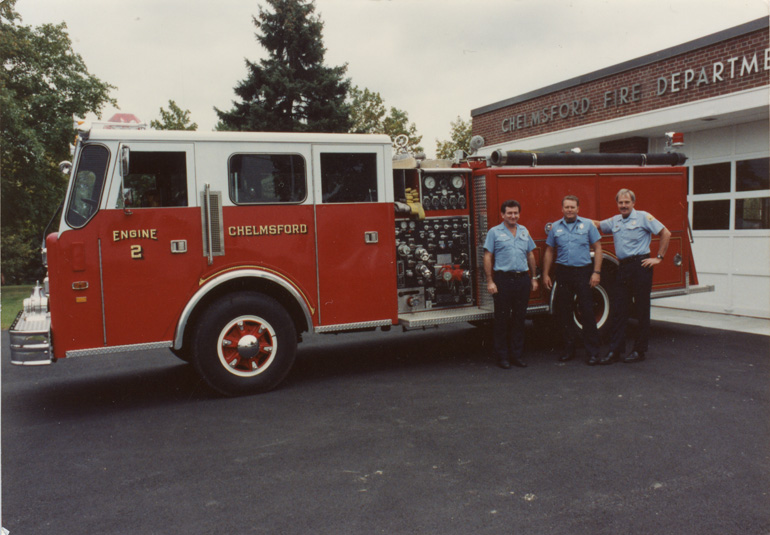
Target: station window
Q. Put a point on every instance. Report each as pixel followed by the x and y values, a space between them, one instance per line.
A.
pixel 155 179
pixel 348 177
pixel 267 178
pixel 712 178
pixel 731 195
pixel 711 215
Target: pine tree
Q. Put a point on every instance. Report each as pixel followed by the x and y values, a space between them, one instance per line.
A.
pixel 292 89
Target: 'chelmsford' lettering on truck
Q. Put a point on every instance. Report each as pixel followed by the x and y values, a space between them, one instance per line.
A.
pixel 363 241
pixel 263 230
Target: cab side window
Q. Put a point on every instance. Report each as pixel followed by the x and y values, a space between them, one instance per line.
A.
pixel 348 177
pixel 267 178
pixel 87 189
pixel 155 179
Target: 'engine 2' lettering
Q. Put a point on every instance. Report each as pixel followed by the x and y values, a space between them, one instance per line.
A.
pixel 139 234
pixel 266 230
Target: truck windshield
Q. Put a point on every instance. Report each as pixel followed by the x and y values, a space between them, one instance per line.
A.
pixel 87 189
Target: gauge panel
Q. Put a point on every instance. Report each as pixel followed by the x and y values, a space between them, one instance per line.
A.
pixel 433 259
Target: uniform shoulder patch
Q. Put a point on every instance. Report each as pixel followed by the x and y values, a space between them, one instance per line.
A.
pixel 650 217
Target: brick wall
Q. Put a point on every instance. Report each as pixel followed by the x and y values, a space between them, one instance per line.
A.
pixel 635 91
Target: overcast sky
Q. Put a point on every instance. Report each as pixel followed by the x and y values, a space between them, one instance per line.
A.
pixel 435 59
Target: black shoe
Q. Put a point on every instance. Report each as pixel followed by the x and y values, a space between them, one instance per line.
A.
pixel 593 360
pixel 569 355
pixel 518 363
pixel 634 356
pixel 504 364
pixel 610 358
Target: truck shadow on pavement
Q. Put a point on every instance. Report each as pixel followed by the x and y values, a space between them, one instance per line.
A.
pixel 133 381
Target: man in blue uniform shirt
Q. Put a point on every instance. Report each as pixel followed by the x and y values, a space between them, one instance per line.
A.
pixel 572 238
pixel 508 262
pixel 632 232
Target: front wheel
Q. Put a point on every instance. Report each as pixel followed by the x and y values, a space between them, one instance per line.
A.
pixel 244 343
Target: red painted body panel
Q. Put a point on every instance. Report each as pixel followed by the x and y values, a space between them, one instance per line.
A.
pixel 357 280
pixel 662 191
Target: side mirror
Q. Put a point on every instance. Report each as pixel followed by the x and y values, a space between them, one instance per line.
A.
pixel 65 167
pixel 124 161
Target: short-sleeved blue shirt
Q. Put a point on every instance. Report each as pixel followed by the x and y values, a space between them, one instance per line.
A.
pixel 633 234
pixel 573 241
pixel 510 252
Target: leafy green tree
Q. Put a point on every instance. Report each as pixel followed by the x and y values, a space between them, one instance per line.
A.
pixel 367 111
pixel 43 83
pixel 292 89
pixel 460 139
pixel 369 116
pixel 396 124
pixel 174 119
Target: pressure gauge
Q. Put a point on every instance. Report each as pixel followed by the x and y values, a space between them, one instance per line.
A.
pixel 444 183
pixel 458 181
pixel 412 224
pixel 403 225
pixel 430 182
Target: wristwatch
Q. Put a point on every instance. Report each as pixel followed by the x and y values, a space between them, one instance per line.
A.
pixel 660 257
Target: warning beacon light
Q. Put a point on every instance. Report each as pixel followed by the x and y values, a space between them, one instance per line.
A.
pixel 674 140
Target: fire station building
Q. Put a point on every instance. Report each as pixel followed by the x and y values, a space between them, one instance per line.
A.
pixel 716 91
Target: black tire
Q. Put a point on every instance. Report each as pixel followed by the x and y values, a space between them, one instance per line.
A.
pixel 244 343
pixel 182 354
pixel 602 298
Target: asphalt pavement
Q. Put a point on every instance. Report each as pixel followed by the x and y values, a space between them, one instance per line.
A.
pixel 398 433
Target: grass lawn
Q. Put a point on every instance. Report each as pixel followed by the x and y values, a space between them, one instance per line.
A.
pixel 12 298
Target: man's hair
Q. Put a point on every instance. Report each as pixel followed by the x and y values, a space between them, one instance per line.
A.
pixel 510 203
pixel 625 191
pixel 570 198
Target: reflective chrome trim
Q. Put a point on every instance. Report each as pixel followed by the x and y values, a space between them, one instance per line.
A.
pixel 232 275
pixel 682 291
pixel 431 318
pixel 116 349
pixel 101 291
pixel 352 326
pixel 30 338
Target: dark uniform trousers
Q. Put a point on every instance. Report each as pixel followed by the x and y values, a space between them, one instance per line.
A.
pixel 576 282
pixel 510 312
pixel 633 282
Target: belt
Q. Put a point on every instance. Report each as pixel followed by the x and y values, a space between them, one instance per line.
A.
pixel 563 266
pixel 634 258
pixel 512 274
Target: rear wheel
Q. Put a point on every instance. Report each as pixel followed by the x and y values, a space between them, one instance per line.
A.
pixel 244 344
pixel 601 296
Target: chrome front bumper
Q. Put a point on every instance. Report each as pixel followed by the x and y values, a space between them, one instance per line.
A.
pixel 30 333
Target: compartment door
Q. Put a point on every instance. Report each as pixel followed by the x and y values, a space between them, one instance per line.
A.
pixel 355 234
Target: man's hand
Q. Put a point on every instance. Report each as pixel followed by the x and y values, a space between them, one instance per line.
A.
pixel 595 280
pixel 650 262
pixel 547 281
pixel 491 287
pixel 534 285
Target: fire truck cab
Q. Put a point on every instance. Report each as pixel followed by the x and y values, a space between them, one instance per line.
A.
pixel 225 247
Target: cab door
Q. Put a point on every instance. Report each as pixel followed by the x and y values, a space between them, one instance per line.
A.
pixel 150 243
pixel 355 234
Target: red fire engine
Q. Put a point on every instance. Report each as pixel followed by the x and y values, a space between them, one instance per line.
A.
pixel 226 247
